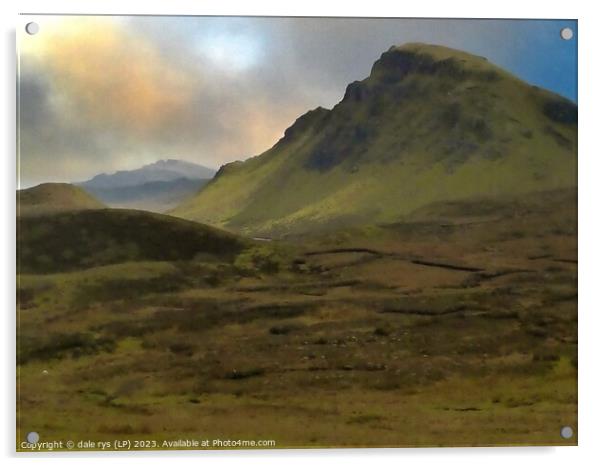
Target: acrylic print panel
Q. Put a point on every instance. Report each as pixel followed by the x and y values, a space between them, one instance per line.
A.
pixel 296 233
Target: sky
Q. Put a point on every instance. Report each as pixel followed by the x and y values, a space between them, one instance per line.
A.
pixel 101 94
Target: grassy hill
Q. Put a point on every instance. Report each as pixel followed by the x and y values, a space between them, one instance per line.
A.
pixel 54 197
pixel 429 124
pixel 80 239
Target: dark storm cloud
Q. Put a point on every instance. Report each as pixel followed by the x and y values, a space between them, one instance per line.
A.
pixel 115 93
pixel 52 148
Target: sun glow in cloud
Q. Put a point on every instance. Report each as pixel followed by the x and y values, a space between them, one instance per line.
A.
pixel 101 73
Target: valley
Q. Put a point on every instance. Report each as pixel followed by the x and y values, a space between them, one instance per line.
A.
pixel 451 327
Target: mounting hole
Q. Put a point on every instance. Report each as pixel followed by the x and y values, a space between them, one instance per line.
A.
pixel 566 432
pixel 32 28
pixel 566 33
pixel 33 437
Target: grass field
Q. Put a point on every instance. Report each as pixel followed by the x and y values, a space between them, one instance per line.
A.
pixel 456 326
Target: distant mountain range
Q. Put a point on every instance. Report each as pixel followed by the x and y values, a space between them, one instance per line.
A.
pixel 429 124
pixel 157 187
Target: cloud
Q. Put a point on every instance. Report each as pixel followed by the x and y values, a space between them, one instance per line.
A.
pixel 106 76
pixel 101 94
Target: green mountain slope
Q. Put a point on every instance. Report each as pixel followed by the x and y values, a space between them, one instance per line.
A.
pixel 429 124
pixel 88 238
pixel 54 197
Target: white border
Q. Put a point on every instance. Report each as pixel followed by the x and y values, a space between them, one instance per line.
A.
pixel 590 234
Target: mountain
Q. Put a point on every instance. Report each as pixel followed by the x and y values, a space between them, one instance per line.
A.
pixel 154 196
pixel 54 197
pixel 158 187
pixel 429 124
pixel 162 170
